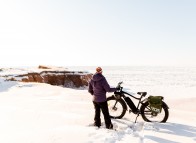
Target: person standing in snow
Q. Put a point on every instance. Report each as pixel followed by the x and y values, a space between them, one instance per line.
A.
pixel 98 86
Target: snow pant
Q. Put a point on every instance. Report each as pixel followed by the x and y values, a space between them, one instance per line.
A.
pixel 102 106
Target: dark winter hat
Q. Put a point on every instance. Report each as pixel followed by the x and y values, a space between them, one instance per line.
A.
pixel 99 69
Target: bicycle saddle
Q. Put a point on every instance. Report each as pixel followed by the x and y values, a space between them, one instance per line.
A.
pixel 142 93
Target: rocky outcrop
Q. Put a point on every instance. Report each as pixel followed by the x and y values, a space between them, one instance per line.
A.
pixel 43 67
pixel 72 79
pixel 66 79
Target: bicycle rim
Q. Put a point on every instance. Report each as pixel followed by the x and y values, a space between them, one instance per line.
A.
pixel 149 116
pixel 115 108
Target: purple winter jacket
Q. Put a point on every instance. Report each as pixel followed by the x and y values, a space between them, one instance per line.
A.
pixel 98 86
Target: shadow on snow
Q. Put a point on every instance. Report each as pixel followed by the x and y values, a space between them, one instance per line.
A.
pixel 175 129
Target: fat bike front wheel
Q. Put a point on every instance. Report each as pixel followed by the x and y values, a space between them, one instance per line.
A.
pixel 150 116
pixel 117 107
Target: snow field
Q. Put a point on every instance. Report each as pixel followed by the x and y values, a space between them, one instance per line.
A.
pixel 41 113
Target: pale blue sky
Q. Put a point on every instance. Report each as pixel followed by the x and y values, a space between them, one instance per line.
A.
pixel 101 32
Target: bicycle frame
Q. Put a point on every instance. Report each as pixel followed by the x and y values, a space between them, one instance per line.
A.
pixel 138 98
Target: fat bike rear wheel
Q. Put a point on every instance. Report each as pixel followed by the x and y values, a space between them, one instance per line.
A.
pixel 150 116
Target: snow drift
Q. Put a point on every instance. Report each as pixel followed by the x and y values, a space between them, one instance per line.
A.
pixel 42 113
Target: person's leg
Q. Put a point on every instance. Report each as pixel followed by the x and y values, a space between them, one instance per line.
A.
pixel 97 119
pixel 104 108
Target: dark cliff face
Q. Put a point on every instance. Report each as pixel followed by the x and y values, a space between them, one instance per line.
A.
pixel 61 79
pixel 71 79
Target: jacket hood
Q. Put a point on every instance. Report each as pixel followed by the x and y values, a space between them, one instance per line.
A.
pixel 97 77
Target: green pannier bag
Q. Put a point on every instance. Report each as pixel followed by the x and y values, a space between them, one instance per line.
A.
pixel 155 103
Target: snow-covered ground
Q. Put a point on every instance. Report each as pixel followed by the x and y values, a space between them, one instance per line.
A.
pixel 42 113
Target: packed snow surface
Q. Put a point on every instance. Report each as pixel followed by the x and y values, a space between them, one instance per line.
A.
pixel 42 113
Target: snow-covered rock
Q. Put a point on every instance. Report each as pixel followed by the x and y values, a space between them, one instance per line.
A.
pixel 52 75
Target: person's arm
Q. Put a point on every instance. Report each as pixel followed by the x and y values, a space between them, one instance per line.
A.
pixel 107 86
pixel 90 88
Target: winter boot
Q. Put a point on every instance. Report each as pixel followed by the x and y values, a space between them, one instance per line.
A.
pixel 110 126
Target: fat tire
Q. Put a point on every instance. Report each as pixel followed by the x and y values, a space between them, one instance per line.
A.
pixel 122 103
pixel 164 107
